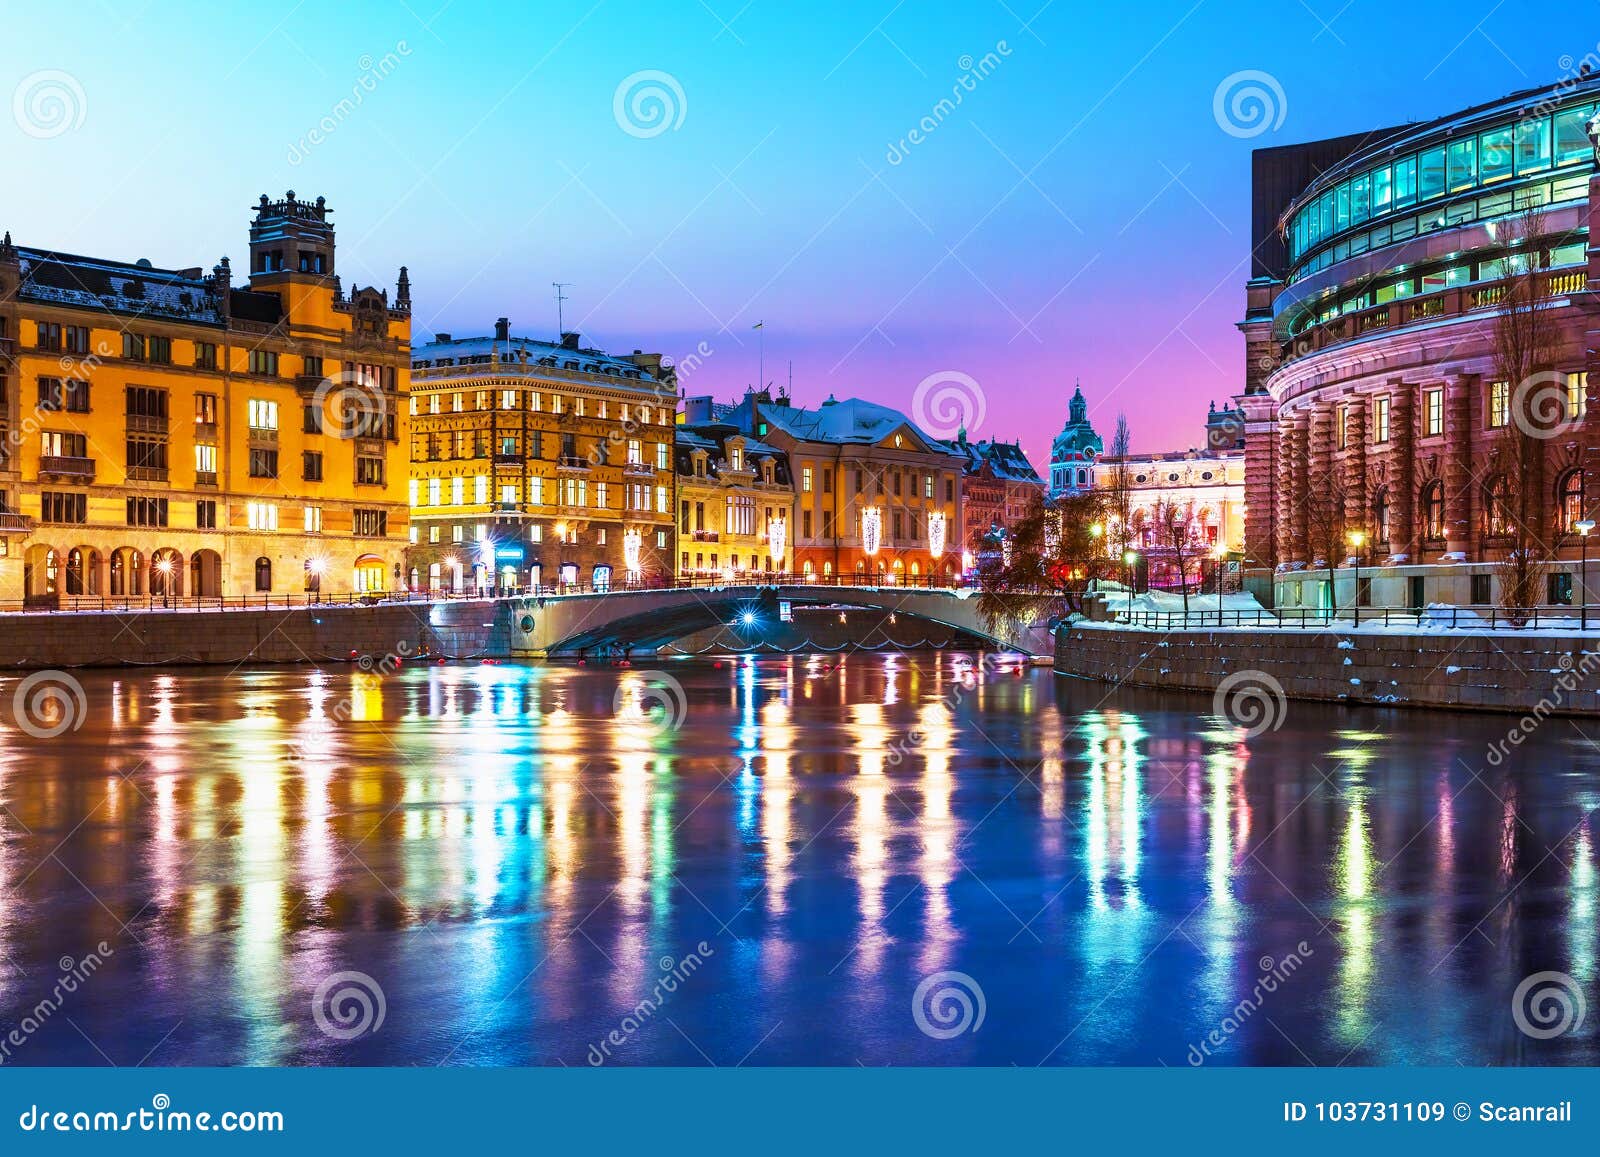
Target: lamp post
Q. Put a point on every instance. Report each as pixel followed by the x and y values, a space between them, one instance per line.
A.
pixel 1128 559
pixel 1357 538
pixel 165 567
pixel 1583 527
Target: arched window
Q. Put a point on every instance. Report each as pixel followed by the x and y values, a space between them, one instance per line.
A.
pixel 1569 501
pixel 1433 510
pixel 263 573
pixel 1497 506
pixel 1380 517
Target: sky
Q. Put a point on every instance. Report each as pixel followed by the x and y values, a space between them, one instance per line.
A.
pixel 1079 215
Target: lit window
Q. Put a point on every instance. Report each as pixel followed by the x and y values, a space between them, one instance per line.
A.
pixel 1432 412
pixel 1499 404
pixel 1380 419
pixel 263 414
pixel 1577 395
pixel 261 516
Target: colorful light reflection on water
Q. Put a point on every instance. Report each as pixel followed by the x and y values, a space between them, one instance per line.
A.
pixel 516 854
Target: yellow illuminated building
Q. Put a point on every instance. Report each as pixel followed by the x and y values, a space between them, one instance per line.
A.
pixel 539 465
pixel 735 505
pixel 169 435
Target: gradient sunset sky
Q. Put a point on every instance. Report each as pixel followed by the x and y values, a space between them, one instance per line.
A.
pixel 1082 214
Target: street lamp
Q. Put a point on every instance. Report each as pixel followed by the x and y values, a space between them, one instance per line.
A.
pixel 1583 527
pixel 1130 557
pixel 1357 538
pixel 165 567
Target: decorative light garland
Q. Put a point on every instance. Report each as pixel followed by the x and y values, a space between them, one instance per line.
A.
pixel 632 543
pixel 871 530
pixel 777 538
pixel 936 534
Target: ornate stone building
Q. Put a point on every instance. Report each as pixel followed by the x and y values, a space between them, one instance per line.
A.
pixel 169 435
pixel 1372 396
pixel 1074 450
pixel 876 498
pixel 539 465
pixel 735 504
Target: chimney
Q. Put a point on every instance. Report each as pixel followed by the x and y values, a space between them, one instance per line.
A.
pixel 569 341
pixel 502 329
pixel 442 338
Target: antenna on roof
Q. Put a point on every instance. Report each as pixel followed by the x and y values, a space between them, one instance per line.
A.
pixel 561 322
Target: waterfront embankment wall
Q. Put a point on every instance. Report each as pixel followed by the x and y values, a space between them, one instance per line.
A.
pixel 1512 671
pixel 457 628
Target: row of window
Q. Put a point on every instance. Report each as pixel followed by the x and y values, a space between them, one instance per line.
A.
pixel 537 402
pixel 1494 505
pixel 1529 146
pixel 902 483
pixel 561 532
pixel 67 508
pixel 565 491
pixel 1497 409
pixel 156 349
pixel 448 445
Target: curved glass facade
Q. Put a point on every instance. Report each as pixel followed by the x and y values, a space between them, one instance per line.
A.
pixel 1541 157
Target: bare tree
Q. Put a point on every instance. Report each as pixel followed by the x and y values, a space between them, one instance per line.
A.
pixel 1173 521
pixel 1119 490
pixel 1051 553
pixel 1326 528
pixel 1527 346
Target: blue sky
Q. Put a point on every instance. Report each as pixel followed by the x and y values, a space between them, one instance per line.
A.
pixel 1080 215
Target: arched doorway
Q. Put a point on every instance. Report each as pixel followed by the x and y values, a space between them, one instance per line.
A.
pixel 369 574
pixel 41 572
pixel 127 573
pixel 166 574
pixel 205 574
pixel 83 571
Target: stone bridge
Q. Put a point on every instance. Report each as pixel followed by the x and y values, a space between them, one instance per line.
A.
pixel 569 626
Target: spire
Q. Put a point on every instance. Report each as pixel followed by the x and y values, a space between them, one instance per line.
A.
pixel 402 294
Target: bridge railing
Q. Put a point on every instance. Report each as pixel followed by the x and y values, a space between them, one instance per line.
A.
pixel 69 604
pixel 1318 618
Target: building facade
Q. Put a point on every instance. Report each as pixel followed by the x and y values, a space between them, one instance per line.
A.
pixel 1074 450
pixel 170 436
pixel 876 498
pixel 998 486
pixel 735 505
pixel 539 465
pixel 1199 490
pixel 1381 268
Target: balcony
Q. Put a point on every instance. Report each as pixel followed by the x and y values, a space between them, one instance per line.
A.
pixel 205 432
pixel 147 473
pixel 508 460
pixel 1448 303
pixel 705 536
pixel 259 434
pixel 146 424
pixel 205 478
pixel 11 522
pixel 67 466
pixel 573 462
pixel 639 469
